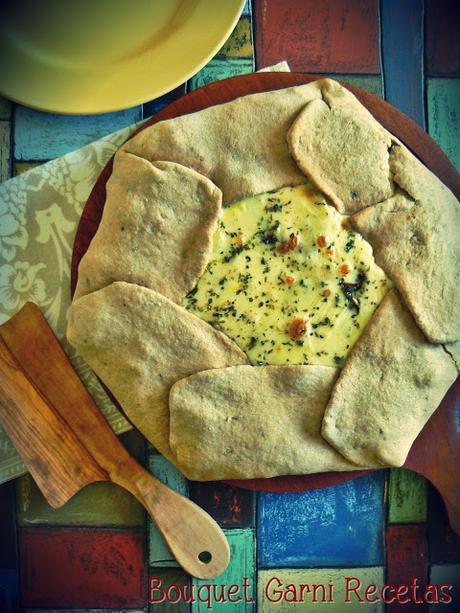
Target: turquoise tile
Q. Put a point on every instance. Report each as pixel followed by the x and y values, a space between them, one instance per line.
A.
pixel 166 587
pixel 240 572
pixel 443 100
pixel 331 591
pixel 159 554
pixel 44 136
pixel 247 10
pixel 219 69
pixel 447 574
pixel 336 526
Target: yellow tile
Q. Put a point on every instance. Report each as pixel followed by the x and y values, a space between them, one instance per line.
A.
pixel 239 44
pixel 20 167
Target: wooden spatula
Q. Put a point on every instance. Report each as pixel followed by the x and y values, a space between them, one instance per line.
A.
pixel 66 443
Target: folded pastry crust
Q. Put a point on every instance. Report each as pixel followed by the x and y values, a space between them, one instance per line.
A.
pixel 162 208
pixel 140 343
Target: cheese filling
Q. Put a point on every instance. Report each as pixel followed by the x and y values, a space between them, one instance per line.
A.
pixel 289 280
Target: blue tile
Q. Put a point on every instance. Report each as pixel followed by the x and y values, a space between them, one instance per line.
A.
pixel 336 526
pixel 9 591
pixel 155 106
pixel 44 136
pixel 402 56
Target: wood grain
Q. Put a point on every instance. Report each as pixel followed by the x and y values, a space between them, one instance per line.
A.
pixel 66 442
pixel 59 463
pixel 436 452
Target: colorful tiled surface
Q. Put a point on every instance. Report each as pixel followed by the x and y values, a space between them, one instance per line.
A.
pixel 98 551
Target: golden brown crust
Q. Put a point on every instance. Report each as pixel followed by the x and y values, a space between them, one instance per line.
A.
pixel 342 149
pixel 416 243
pixel 156 229
pixel 140 343
pixel 391 384
pixel 244 422
pixel 241 145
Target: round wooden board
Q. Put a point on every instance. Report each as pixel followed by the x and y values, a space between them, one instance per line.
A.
pixel 436 452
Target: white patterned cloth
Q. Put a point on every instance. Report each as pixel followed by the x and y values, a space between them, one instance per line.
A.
pixel 39 215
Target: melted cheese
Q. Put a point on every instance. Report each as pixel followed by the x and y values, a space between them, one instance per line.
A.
pixel 289 281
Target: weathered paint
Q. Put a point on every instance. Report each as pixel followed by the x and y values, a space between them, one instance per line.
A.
pixel 161 580
pixel 338 526
pixel 159 554
pixel 98 504
pixel 448 574
pixel 443 101
pixel 242 565
pixel 337 577
pixel 318 37
pixel 5 150
pixel 82 568
pixel 44 136
pixel 407 500
pixel 407 559
pixel 442 45
pixel 402 56
pixel 22 167
pixel 231 506
pixel 219 69
pixel 239 44
pixel 370 83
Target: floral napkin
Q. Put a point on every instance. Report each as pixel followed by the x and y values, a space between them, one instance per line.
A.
pixel 39 215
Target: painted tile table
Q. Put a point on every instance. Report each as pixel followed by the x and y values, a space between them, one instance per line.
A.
pixel 97 552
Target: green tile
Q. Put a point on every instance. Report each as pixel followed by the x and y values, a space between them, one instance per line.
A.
pixel 242 565
pixel 159 554
pixel 219 69
pixel 5 108
pixel 370 83
pixel 239 44
pixel 98 504
pixel 443 100
pixel 407 500
pixel 272 585
pixel 162 587
pixel 5 150
pixel 447 574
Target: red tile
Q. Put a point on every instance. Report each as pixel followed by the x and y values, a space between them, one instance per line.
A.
pixel 231 506
pixel 407 559
pixel 326 36
pixel 82 568
pixel 442 43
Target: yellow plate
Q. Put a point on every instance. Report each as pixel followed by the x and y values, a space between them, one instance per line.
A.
pixel 98 56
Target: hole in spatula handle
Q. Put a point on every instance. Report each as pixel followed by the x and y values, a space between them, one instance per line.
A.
pixel 205 557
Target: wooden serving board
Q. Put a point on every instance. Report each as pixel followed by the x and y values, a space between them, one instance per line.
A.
pixel 436 452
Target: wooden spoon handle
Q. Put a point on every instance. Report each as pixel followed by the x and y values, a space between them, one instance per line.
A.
pixel 194 538
pixel 59 463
